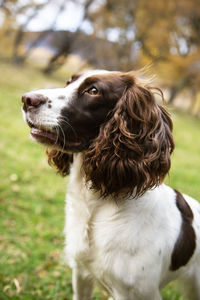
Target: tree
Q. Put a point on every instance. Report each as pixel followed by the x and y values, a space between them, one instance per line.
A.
pixel 164 33
pixel 67 43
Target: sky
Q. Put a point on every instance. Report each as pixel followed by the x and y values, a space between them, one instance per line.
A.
pixel 68 20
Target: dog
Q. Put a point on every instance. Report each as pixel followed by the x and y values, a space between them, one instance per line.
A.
pixel 125 229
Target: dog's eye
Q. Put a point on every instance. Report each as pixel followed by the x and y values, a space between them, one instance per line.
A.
pixel 93 91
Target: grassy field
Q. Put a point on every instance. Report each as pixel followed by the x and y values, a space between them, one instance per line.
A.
pixel 32 196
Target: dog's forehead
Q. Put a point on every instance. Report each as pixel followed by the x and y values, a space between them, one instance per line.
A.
pixel 90 73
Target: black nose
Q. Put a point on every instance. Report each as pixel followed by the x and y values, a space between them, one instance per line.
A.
pixel 32 100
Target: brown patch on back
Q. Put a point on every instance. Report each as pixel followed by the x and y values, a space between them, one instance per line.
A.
pixel 186 242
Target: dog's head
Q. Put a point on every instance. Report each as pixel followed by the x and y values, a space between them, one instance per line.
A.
pixel 125 136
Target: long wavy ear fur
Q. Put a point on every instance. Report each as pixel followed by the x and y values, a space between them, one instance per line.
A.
pixel 132 151
pixel 60 160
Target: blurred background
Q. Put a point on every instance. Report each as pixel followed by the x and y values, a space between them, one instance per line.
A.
pixel 110 34
pixel 42 43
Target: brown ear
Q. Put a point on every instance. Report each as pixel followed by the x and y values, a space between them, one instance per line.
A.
pixel 132 152
pixel 60 160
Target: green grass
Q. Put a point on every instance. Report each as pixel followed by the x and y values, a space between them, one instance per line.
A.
pixel 32 196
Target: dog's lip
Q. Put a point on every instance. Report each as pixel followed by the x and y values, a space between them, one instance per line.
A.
pixel 40 133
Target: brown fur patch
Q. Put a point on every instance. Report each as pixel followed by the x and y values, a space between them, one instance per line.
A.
pixel 132 151
pixel 186 242
pixel 125 135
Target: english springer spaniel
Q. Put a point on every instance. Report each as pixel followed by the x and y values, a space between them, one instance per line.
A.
pixel 125 229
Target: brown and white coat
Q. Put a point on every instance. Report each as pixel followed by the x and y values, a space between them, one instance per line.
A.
pixel 125 229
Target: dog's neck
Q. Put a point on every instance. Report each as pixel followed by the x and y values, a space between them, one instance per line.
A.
pixel 77 185
pixel 80 189
pixel 76 171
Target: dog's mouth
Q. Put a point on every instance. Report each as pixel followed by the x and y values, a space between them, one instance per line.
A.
pixel 45 137
pixel 52 137
pixel 43 134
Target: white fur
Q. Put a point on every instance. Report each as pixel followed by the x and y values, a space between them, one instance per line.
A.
pixel 125 247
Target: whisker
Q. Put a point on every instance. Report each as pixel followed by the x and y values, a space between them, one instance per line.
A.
pixel 63 147
pixel 50 121
pixel 63 119
pixel 57 135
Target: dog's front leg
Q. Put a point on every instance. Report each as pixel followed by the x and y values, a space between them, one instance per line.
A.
pixel 82 284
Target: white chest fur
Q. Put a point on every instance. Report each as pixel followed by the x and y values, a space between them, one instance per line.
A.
pixel 119 243
pixel 80 208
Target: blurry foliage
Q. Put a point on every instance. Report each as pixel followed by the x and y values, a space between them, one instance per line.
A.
pixel 125 35
pixel 167 34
